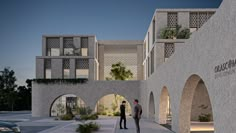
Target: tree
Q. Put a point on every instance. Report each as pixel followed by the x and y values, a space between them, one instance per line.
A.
pixel 119 72
pixel 7 89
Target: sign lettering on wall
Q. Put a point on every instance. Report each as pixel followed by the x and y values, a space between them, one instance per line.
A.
pixel 225 69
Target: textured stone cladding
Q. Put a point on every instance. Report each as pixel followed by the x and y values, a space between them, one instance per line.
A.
pixel 207 49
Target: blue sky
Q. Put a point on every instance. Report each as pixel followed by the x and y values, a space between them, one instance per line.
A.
pixel 23 22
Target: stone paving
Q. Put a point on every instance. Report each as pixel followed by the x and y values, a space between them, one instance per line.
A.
pixel 145 127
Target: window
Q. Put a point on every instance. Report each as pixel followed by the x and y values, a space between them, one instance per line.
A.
pixel 172 19
pixel 68 46
pixel 82 68
pixel 68 51
pixel 153 31
pixel 66 68
pixel 169 50
pixel 84 46
pixel 53 46
pixel 197 19
pixel 47 66
pixel 152 61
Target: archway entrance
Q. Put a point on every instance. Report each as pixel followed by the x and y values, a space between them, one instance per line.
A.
pixel 195 107
pixel 109 105
pixel 151 107
pixel 165 108
pixel 62 103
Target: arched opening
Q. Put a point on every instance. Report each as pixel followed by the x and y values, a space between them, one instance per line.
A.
pixel 62 103
pixel 151 107
pixel 196 113
pixel 165 108
pixel 109 105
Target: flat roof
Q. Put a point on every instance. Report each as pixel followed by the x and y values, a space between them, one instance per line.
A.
pixel 120 42
pixel 186 9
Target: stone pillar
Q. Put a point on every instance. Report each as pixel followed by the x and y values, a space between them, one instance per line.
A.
pixel 57 68
pixel 161 22
pixel 44 46
pixel 183 19
pixel 101 61
pixel 91 45
pixel 72 68
pixel 91 69
pixel 40 68
pixel 61 46
pixel 160 54
pixel 139 62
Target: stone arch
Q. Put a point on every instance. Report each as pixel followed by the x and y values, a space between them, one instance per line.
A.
pixel 128 102
pixel 186 103
pixel 151 106
pixel 164 106
pixel 55 99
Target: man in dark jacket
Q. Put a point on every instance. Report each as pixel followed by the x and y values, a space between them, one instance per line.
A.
pixel 137 114
pixel 122 115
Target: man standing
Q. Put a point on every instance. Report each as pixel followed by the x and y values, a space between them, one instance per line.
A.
pixel 122 115
pixel 137 114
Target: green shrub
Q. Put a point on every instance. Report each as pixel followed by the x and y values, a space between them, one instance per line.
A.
pixel 175 33
pixel 66 117
pixel 84 110
pixel 204 117
pixel 184 34
pixel 116 113
pixel 88 128
pixel 89 117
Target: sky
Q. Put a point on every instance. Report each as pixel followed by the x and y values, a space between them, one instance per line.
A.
pixel 23 22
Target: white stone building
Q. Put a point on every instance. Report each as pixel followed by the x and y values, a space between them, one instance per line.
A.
pixel 177 79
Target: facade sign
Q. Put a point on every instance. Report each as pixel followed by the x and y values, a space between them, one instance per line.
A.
pixel 225 69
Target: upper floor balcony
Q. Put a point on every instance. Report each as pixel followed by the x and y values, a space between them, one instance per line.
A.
pixel 69 46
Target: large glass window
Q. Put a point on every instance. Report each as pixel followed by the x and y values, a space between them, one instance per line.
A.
pixel 68 51
pixel 53 52
pixel 82 68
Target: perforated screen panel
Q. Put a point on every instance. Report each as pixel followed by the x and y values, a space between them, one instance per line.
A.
pixel 169 49
pixel 66 63
pixel 53 42
pixel 172 19
pixel 84 42
pixel 125 54
pixel 68 42
pixel 82 64
pixel 47 63
pixel 197 19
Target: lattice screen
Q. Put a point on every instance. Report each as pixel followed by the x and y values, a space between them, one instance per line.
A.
pixel 47 63
pixel 169 49
pixel 68 42
pixel 172 19
pixel 202 18
pixel 84 42
pixel 53 42
pixel 82 64
pixel 197 19
pixel 126 55
pixel 66 63
pixel 193 20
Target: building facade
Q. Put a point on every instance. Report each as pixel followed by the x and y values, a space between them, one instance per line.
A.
pixel 179 77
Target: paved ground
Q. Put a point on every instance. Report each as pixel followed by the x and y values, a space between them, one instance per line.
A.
pixel 145 127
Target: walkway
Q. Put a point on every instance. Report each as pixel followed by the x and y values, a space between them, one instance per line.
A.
pixel 145 127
